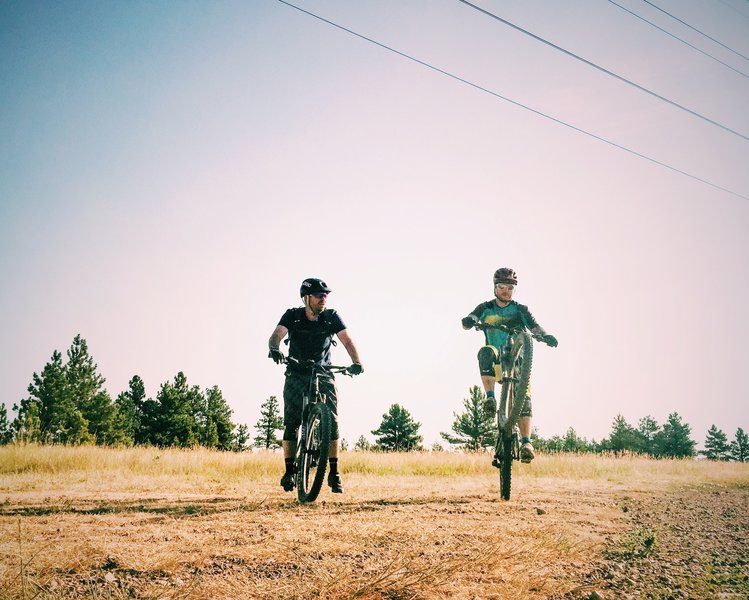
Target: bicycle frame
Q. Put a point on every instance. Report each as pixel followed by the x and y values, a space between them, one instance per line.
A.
pixel 514 361
pixel 312 445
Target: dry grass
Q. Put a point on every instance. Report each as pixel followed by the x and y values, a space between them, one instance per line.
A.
pixel 148 523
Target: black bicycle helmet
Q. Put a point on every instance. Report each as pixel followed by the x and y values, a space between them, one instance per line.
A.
pixel 312 285
pixel 505 275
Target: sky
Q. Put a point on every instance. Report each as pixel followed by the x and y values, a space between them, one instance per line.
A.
pixel 171 172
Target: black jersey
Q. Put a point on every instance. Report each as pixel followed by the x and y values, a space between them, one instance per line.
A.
pixel 311 339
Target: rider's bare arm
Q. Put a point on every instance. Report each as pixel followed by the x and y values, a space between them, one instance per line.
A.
pixel 278 334
pixel 348 343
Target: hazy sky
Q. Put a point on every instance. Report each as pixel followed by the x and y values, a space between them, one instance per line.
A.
pixel 171 171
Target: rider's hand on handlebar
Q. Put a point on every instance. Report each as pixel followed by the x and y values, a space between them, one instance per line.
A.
pixel 468 321
pixel 355 369
pixel 276 355
pixel 549 339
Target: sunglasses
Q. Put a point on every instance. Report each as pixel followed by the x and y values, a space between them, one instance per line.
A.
pixel 321 295
pixel 506 286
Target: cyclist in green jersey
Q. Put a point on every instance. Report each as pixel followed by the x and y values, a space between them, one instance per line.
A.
pixel 503 310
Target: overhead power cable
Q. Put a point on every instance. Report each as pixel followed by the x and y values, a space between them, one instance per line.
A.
pixel 695 29
pixel 516 103
pixel 604 70
pixel 634 14
pixel 732 7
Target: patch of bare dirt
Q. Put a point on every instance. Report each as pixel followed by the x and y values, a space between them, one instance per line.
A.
pixel 687 543
pixel 416 538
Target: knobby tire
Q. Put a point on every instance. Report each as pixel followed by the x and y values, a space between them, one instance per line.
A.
pixel 312 462
pixel 511 404
pixel 515 388
pixel 505 465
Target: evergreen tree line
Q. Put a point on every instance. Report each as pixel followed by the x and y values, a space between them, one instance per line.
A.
pixel 474 430
pixel 67 404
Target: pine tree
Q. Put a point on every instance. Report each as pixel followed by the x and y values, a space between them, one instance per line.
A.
pixel 574 443
pixel 128 414
pixel 173 419
pixel 623 436
pixel 6 434
pixel 398 431
pixel 473 429
pixel 740 446
pixel 27 425
pixel 674 439
pixel 241 438
pixel 60 419
pixel 362 445
pixel 646 430
pixel 85 387
pixel 218 428
pixel 716 445
pixel 270 422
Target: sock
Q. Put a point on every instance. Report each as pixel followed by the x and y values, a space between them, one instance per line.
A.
pixel 289 464
pixel 525 440
pixel 333 465
pixel 490 394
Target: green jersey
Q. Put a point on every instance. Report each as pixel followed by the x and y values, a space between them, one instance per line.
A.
pixel 512 315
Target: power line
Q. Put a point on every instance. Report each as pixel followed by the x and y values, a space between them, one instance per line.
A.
pixel 695 29
pixel 516 103
pixel 678 38
pixel 732 7
pixel 604 70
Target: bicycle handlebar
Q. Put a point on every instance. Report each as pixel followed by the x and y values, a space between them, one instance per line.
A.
pixel 311 364
pixel 540 337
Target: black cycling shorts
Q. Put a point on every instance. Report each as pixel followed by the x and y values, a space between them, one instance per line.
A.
pixel 294 388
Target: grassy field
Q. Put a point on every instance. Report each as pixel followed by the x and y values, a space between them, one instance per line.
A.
pixel 148 523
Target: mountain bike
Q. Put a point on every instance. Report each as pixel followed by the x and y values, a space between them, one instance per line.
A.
pixel 515 361
pixel 313 439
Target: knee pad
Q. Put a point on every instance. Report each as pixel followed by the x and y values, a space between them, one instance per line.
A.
pixel 488 357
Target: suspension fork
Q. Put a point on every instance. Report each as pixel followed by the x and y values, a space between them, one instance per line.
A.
pixel 312 392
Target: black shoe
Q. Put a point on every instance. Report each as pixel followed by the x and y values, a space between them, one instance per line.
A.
pixel 334 481
pixel 287 481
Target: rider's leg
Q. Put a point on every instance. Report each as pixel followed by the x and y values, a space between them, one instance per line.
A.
pixel 488 382
pixel 488 357
pixel 328 388
pixel 292 408
pixel 289 449
pixel 527 453
pixel 524 423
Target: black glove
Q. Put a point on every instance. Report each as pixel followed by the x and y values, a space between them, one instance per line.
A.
pixel 276 355
pixel 550 340
pixel 355 369
pixel 468 321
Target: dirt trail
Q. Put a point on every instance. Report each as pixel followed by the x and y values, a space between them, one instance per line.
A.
pixel 386 538
pixel 687 543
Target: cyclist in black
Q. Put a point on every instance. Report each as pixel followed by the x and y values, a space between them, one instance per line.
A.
pixel 310 329
pixel 503 310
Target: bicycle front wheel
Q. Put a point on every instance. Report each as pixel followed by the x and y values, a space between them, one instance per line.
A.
pixel 313 453
pixel 515 382
pixel 507 443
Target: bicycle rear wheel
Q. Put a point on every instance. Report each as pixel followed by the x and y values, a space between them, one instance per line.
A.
pixel 515 382
pixel 313 452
